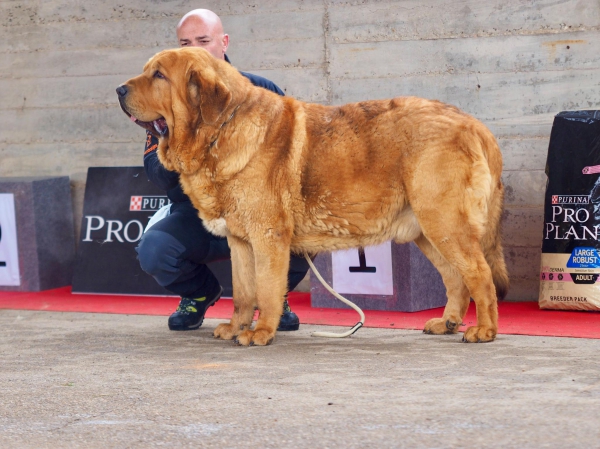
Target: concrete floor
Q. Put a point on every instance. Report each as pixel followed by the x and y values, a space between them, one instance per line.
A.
pixel 117 381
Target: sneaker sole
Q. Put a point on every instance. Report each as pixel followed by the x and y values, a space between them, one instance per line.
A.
pixel 293 327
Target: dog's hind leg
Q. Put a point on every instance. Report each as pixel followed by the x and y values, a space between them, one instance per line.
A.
pixel 244 290
pixel 462 251
pixel 456 291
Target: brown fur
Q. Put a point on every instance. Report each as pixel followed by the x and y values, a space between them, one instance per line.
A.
pixel 275 175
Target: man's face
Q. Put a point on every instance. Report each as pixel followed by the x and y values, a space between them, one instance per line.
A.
pixel 195 32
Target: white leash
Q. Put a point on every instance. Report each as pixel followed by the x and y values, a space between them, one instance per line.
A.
pixel 354 328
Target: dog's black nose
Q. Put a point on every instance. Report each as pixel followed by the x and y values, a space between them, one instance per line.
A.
pixel 121 91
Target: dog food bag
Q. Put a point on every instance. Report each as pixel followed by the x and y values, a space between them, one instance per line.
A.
pixel 570 268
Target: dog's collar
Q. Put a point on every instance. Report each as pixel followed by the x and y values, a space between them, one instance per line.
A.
pixel 212 143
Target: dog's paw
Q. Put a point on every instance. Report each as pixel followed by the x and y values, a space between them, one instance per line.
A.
pixel 255 338
pixel 479 334
pixel 225 331
pixel 440 326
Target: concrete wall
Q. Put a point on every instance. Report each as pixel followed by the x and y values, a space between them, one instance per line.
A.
pixel 511 63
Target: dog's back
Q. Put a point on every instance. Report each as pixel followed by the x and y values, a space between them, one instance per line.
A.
pixel 365 168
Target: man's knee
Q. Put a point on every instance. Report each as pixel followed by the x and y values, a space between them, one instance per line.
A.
pixel 160 254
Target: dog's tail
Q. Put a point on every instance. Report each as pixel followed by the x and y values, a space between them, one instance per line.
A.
pixel 492 245
pixel 491 242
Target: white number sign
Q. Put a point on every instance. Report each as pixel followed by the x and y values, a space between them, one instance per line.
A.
pixel 9 254
pixel 367 272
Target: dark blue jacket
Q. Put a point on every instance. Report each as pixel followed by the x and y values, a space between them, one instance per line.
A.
pixel 169 180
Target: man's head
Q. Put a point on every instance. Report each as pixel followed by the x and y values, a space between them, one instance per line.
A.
pixel 203 28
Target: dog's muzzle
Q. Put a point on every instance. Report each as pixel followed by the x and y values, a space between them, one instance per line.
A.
pixel 156 127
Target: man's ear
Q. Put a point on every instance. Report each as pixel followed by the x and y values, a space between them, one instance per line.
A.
pixel 210 94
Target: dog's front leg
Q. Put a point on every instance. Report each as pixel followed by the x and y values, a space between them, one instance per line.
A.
pixel 244 290
pixel 272 262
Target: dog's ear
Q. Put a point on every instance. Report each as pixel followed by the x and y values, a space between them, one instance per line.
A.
pixel 202 102
pixel 210 94
pixel 182 151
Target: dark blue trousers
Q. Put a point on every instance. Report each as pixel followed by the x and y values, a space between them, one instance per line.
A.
pixel 175 252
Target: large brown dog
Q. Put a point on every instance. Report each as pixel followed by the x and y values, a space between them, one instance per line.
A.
pixel 275 175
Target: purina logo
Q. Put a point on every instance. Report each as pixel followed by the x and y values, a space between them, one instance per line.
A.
pixel 147 203
pixel 570 199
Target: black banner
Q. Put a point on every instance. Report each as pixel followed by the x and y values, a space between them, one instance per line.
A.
pixel 118 204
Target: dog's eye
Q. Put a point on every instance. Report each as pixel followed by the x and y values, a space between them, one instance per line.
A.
pixel 159 75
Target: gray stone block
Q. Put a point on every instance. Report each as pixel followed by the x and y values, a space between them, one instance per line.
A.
pixel 417 284
pixel 45 234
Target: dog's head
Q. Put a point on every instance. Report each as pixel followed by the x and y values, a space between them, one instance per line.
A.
pixel 181 97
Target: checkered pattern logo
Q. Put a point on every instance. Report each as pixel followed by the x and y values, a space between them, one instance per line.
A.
pixel 136 203
pixel 554 199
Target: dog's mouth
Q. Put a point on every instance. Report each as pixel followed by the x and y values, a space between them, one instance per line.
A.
pixel 159 125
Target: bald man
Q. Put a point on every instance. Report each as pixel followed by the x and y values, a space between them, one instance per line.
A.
pixel 203 28
pixel 177 248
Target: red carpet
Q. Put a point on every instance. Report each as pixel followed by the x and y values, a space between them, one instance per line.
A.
pixel 520 318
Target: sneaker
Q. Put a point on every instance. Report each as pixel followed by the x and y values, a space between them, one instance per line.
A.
pixel 289 320
pixel 190 313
